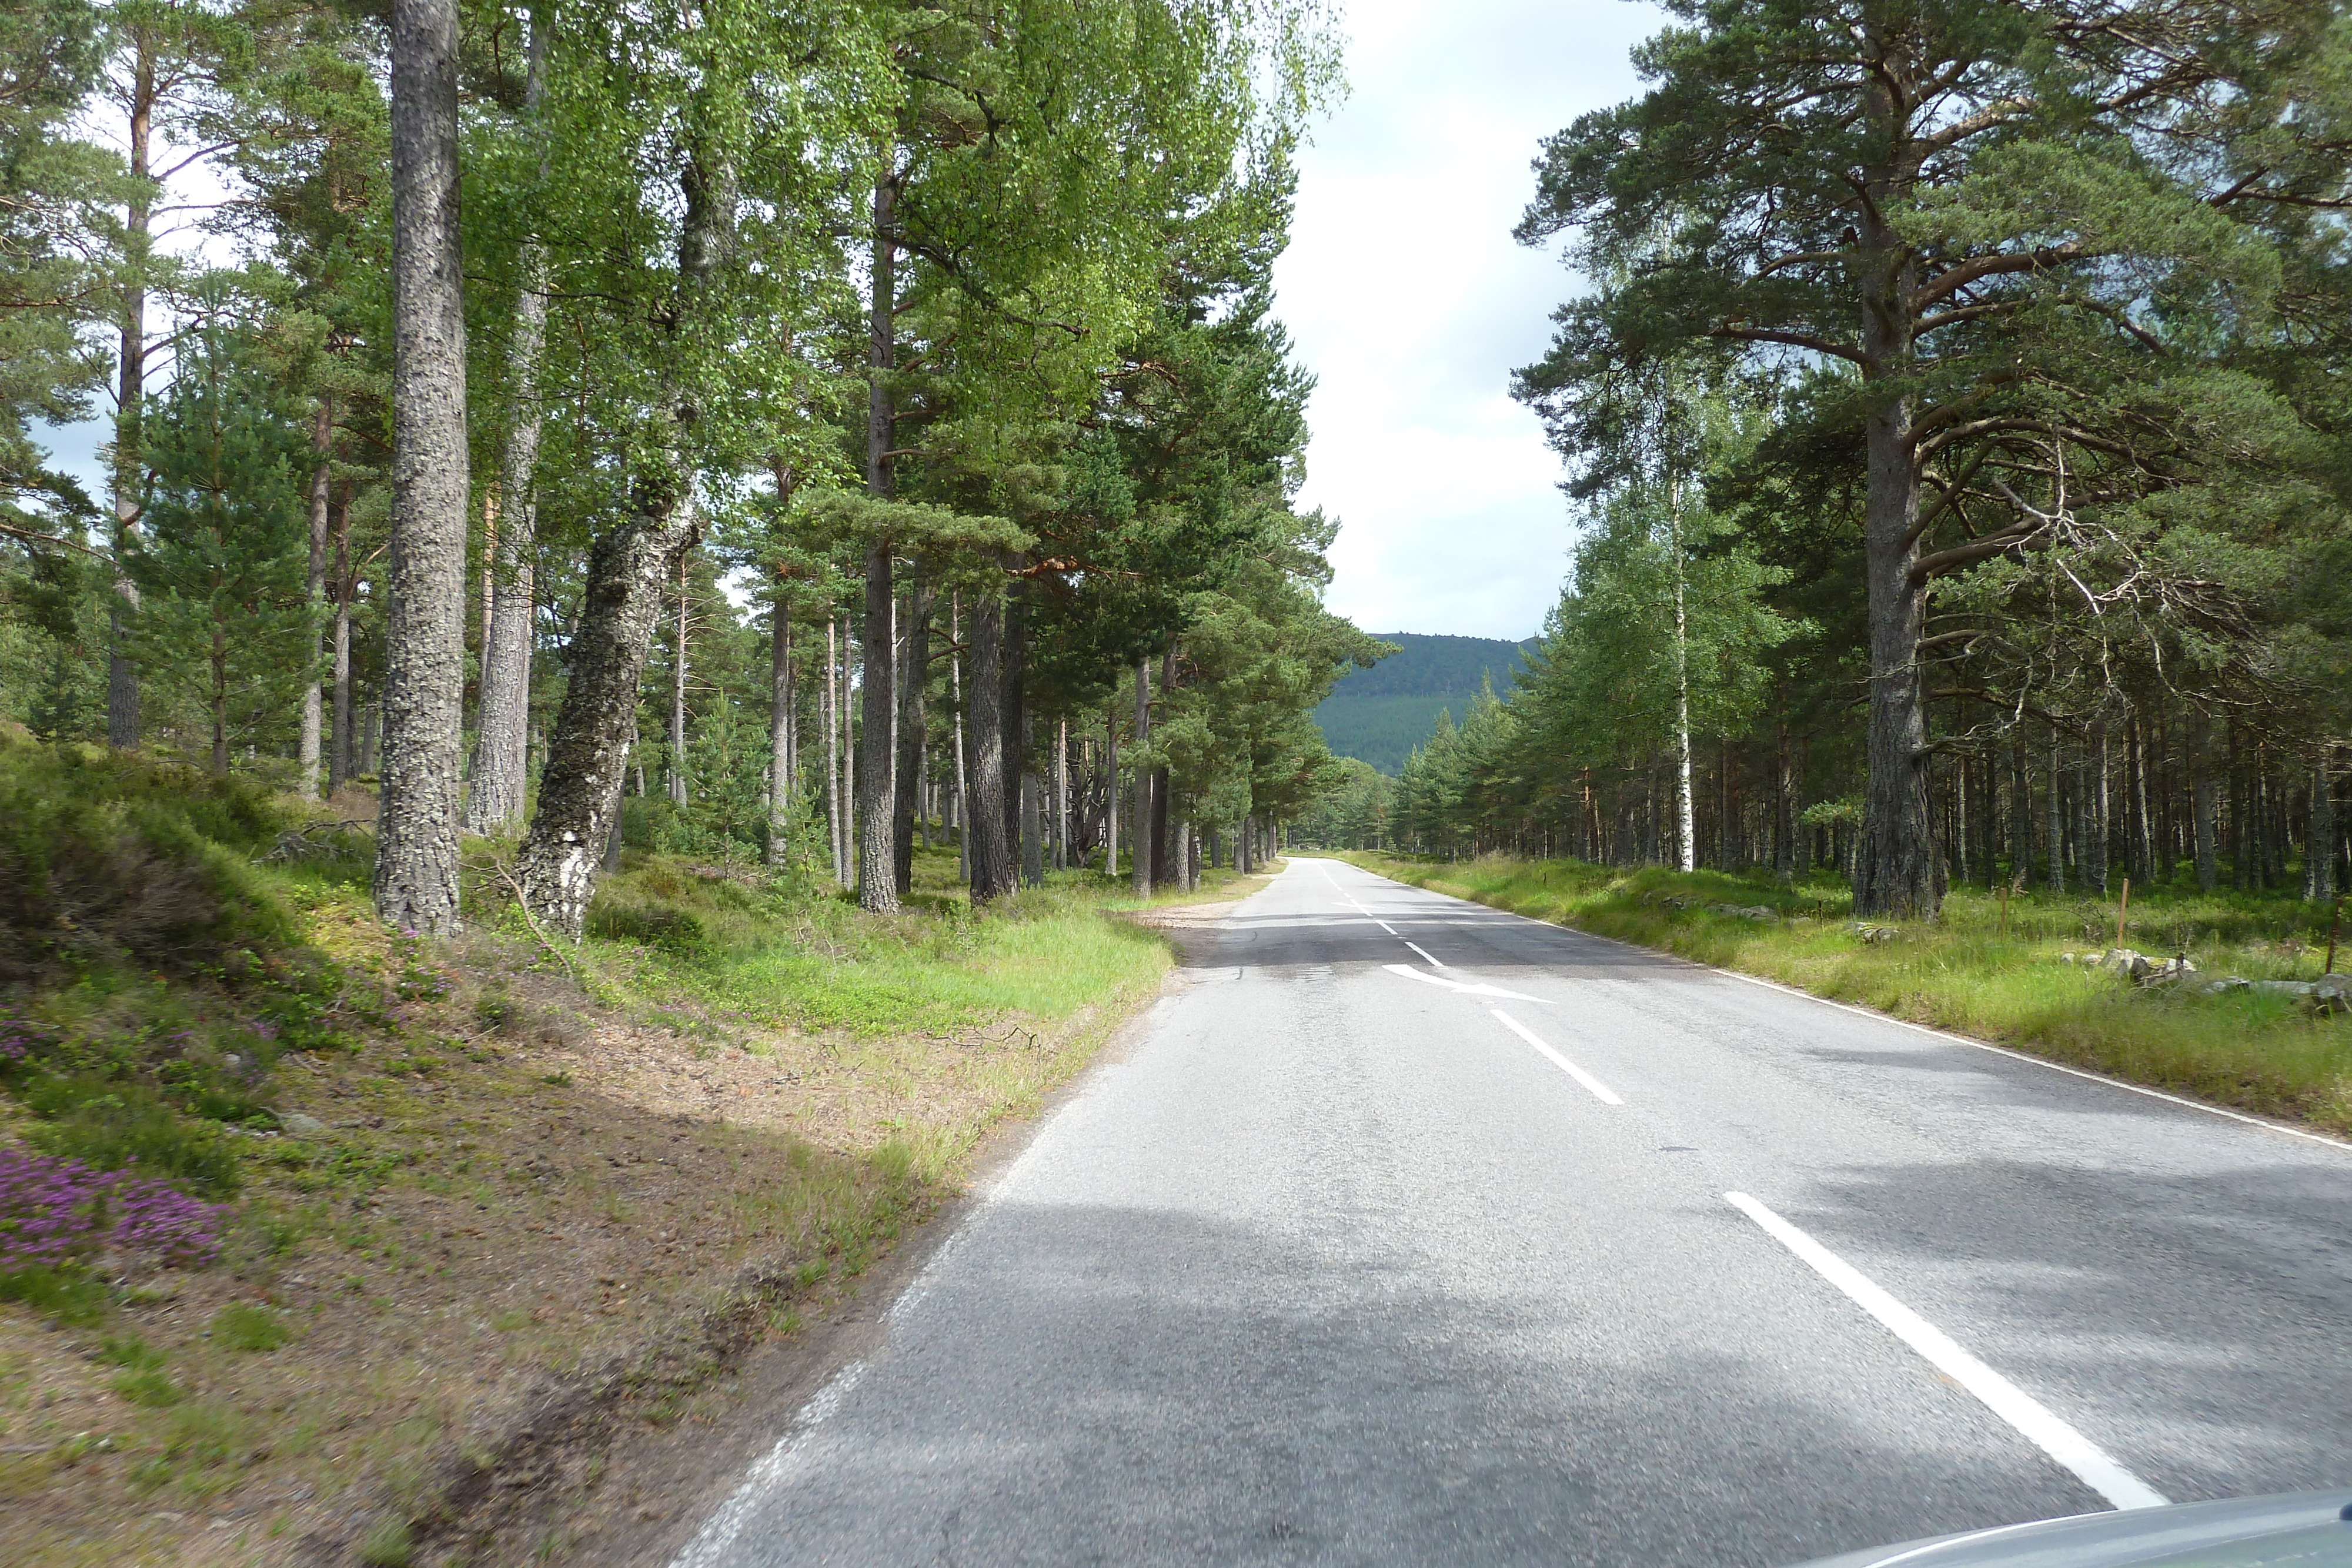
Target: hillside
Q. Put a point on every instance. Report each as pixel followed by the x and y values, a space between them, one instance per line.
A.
pixel 1379 715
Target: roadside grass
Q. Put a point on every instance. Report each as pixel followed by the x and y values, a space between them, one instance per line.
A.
pixel 449 1175
pixel 1973 974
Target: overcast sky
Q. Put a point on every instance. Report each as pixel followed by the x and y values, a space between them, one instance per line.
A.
pixel 1409 301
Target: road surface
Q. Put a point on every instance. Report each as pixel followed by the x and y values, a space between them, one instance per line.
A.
pixel 1414 1232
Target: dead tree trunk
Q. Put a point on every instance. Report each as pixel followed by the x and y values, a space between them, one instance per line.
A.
pixel 425 650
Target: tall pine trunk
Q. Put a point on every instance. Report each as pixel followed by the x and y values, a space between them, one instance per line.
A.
pixel 877 768
pixel 314 590
pixel 993 873
pixel 510 579
pixel 338 747
pixel 130 396
pixel 425 640
pixel 914 675
pixel 780 727
pixel 1894 872
pixel 1142 852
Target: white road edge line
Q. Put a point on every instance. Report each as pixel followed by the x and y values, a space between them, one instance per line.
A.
pixel 1946 1035
pixel 2090 1463
pixel 1418 948
pixel 1601 1092
pixel 1384 926
pixel 710 1542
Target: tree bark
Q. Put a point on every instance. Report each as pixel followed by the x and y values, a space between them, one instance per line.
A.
pixel 130 396
pixel 914 675
pixel 629 569
pixel 993 871
pixel 1014 721
pixel 501 746
pixel 1110 791
pixel 1142 879
pixel 2320 849
pixel 417 823
pixel 1895 861
pixel 836 820
pixel 678 792
pixel 2204 802
pixel 339 751
pixel 780 729
pixel 314 590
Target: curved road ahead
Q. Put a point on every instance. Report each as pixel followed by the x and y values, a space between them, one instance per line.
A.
pixel 1417 1233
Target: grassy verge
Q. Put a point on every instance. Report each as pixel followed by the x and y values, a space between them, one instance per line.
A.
pixel 1981 973
pixel 470 1224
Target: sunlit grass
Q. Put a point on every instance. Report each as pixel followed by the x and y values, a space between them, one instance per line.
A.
pixel 1985 972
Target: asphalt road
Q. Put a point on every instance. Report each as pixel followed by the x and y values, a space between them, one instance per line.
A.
pixel 1338 1266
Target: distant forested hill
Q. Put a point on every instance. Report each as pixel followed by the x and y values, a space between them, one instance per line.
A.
pixel 1383 712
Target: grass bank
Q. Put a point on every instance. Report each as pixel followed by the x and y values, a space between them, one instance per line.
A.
pixel 1980 973
pixel 453 1219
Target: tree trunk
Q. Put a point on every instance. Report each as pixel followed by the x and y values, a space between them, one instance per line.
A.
pixel 314 592
pixel 339 751
pixel 1894 860
pixel 1061 794
pixel 2320 849
pixel 962 778
pixel 424 640
pixel 877 799
pixel 510 576
pixel 678 793
pixel 2205 802
pixel 780 729
pixel 993 871
pixel 914 720
pixel 130 395
pixel 1142 881
pixel 629 569
pixel 836 821
pixel 1016 719
pixel 1110 790
pixel 220 691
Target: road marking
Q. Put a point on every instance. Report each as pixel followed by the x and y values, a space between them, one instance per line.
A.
pixel 1418 948
pixel 1383 926
pixel 1601 1092
pixel 2089 1462
pixel 2264 1123
pixel 710 1542
pixel 1467 988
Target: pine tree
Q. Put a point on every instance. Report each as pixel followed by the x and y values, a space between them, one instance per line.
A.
pixel 221 564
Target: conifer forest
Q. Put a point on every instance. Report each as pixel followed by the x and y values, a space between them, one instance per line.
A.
pixel 783 434
pixel 1954 410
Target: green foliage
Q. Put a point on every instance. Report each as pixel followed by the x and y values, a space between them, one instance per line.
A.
pixel 1380 713
pixel 221 560
pixel 113 1125
pixel 250 1326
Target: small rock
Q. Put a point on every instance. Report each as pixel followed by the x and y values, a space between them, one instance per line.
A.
pixel 2066 957
pixel 2332 994
pixel 2227 983
pixel 301 1126
pixel 2286 987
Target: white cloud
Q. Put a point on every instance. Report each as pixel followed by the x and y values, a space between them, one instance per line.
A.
pixel 1408 300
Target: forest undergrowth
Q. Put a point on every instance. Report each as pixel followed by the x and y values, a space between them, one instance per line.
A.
pixel 300 1219
pixel 1983 970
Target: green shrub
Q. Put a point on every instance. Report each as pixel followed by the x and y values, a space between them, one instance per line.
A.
pixel 62 1296
pixel 115 1125
pixel 106 857
pixel 244 1325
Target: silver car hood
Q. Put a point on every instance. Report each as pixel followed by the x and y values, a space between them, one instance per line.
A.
pixel 2295 1529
